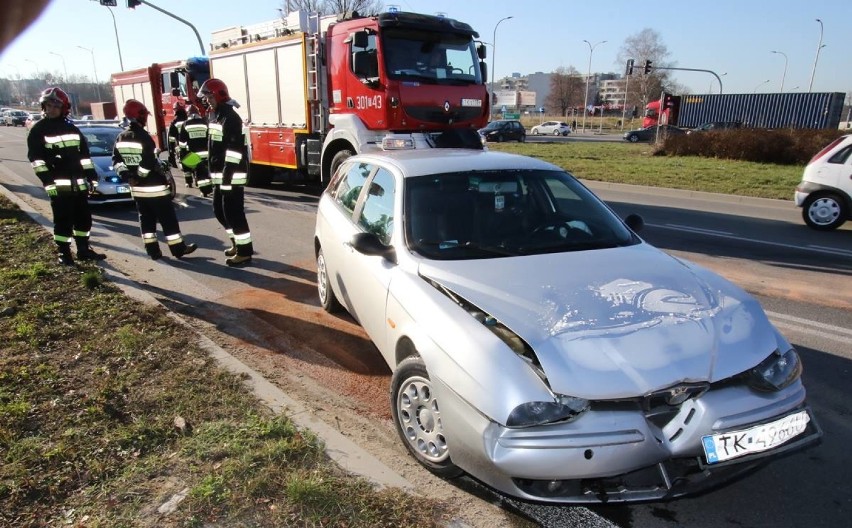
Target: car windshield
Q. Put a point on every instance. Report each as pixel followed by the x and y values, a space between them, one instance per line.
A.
pixel 100 140
pixel 494 125
pixel 470 215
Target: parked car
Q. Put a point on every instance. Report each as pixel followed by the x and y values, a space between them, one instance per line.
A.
pixel 551 128
pixel 110 187
pixel 504 130
pixel 716 125
pixel 825 192
pixel 539 344
pixel 650 133
pixel 15 118
pixel 32 119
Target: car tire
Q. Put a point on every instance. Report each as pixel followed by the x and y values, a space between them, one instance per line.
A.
pixel 556 133
pixel 417 417
pixel 535 132
pixel 522 139
pixel 824 211
pixel 499 138
pixel 327 299
pixel 633 138
pixel 338 160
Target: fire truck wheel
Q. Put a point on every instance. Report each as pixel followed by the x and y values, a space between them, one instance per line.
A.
pixel 338 160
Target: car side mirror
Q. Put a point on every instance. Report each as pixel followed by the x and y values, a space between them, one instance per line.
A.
pixel 634 222
pixel 369 244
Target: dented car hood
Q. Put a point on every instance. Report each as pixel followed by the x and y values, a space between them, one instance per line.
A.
pixel 616 323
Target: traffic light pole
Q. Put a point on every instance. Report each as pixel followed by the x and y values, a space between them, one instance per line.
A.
pixel 200 45
pixel 695 70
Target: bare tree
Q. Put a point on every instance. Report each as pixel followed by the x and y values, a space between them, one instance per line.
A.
pixel 566 90
pixel 646 45
pixel 331 7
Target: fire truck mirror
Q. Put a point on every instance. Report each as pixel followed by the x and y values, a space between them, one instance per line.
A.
pixel 480 50
pixel 365 64
pixel 360 39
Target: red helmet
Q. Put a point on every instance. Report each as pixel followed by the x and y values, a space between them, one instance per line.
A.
pixel 135 111
pixel 57 95
pixel 216 88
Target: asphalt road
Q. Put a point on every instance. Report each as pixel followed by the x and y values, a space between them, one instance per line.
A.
pixel 803 278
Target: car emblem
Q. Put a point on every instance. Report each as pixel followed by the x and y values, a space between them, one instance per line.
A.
pixel 681 393
pixel 446 106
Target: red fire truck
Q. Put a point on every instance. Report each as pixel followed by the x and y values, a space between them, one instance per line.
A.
pixel 315 90
pixel 159 86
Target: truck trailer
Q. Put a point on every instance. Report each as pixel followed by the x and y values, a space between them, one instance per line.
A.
pixel 763 110
pixel 315 90
pixel 159 86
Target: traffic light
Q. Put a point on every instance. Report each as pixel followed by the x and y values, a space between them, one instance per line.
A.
pixel 629 70
pixel 131 4
pixel 647 67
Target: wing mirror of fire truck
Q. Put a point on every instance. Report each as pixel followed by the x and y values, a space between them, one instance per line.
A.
pixel 483 68
pixel 480 50
pixel 365 65
pixel 360 39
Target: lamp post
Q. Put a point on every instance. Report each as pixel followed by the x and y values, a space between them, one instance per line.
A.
pixel 784 75
pixel 493 55
pixel 759 85
pixel 819 47
pixel 63 65
pixel 95 69
pixel 710 89
pixel 588 75
pixel 117 43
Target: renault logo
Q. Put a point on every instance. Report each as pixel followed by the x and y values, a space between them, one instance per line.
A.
pixel 446 106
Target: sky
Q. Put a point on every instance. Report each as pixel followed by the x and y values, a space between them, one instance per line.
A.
pixel 734 38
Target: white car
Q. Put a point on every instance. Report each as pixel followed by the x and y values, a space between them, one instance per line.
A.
pixel 551 128
pixel 825 192
pixel 538 344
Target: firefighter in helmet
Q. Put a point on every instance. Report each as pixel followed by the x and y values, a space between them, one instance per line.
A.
pixel 60 158
pixel 227 153
pixel 135 160
pixel 174 130
pixel 192 149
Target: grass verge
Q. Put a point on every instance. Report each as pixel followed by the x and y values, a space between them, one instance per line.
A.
pixel 637 164
pixel 112 416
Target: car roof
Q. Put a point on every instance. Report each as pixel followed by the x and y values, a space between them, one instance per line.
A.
pixel 96 124
pixel 421 162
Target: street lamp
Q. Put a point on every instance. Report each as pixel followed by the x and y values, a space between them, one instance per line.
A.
pixel 710 89
pixel 759 85
pixel 63 65
pixel 819 47
pixel 784 75
pixel 493 55
pixel 117 43
pixel 95 69
pixel 588 75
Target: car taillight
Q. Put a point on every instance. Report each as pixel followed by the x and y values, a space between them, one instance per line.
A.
pixel 826 150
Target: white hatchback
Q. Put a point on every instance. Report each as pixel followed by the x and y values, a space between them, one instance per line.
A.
pixel 825 193
pixel 551 128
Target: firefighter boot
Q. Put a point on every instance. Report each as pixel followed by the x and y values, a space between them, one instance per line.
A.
pixel 188 179
pixel 238 261
pixel 85 252
pixel 231 251
pixel 65 257
pixel 153 250
pixel 183 250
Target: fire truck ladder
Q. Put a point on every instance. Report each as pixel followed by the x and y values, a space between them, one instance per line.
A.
pixel 315 91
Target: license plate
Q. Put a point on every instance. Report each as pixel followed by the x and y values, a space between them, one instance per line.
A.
pixel 122 189
pixel 725 446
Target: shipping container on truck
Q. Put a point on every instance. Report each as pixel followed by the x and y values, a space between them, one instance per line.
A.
pixel 314 90
pixel 762 110
pixel 158 87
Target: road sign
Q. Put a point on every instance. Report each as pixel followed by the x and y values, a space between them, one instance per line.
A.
pixel 511 116
pixel 109 3
pixel 541 109
pixel 503 110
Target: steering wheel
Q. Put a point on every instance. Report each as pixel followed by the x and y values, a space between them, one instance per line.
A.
pixel 559 228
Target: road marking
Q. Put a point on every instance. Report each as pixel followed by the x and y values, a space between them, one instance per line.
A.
pixel 723 234
pixel 814 328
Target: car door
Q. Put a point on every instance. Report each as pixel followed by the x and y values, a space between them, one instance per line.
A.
pixel 367 277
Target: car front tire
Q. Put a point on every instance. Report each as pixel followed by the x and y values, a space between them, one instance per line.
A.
pixel 824 211
pixel 327 299
pixel 556 133
pixel 535 132
pixel 417 417
pixel 633 138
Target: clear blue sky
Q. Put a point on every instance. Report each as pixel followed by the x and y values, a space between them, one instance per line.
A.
pixel 732 37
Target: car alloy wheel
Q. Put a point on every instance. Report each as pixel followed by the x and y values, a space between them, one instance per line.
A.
pixel 633 138
pixel 824 212
pixel 556 132
pixel 327 299
pixel 417 417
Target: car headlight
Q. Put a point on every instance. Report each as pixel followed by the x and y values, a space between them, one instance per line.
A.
pixel 564 409
pixel 776 372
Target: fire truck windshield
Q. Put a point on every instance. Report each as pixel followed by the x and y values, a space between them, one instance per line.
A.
pixel 428 57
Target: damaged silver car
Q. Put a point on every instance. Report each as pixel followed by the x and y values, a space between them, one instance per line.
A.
pixel 539 344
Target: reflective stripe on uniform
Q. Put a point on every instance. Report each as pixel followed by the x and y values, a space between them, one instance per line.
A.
pixel 204 182
pixel 87 163
pixel 242 239
pixel 62 141
pixel 149 237
pixel 215 131
pixel 174 239
pixel 216 177
pixel 239 178
pixel 119 167
pixel 62 184
pixel 60 238
pixel 142 171
pixel 81 233
pixel 39 166
pixel 152 191
pixel 232 156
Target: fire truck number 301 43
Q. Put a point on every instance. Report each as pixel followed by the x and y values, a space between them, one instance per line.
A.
pixel 363 102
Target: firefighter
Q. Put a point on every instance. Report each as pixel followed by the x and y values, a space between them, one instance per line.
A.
pixel 227 153
pixel 134 160
pixel 174 130
pixel 192 149
pixel 60 157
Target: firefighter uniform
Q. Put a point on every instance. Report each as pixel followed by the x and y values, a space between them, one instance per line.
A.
pixel 192 139
pixel 133 159
pixel 60 158
pixel 227 165
pixel 174 132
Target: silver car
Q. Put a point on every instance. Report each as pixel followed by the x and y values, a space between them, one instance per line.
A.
pixel 538 344
pixel 551 128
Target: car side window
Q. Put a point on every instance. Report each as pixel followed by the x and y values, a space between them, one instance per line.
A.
pixel 377 213
pixel 841 156
pixel 350 184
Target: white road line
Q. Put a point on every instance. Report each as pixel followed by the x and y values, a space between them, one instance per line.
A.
pixel 815 333
pixel 845 251
pixel 722 234
pixel 808 322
